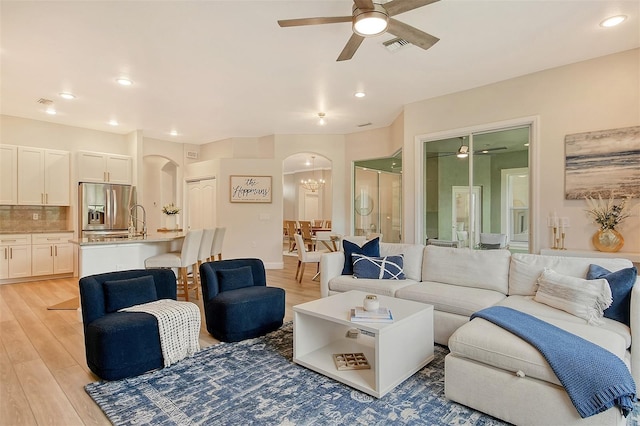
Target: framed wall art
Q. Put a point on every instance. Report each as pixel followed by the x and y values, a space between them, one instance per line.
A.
pixel 250 189
pixel 602 163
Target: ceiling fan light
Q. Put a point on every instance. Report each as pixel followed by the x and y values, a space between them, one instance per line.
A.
pixel 370 22
pixel 463 151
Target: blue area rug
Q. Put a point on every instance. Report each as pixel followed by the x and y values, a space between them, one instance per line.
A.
pixel 256 382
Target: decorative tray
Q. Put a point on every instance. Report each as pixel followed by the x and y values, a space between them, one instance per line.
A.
pixel 351 361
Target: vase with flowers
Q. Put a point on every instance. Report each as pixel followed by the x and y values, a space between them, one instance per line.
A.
pixel 171 212
pixel 608 215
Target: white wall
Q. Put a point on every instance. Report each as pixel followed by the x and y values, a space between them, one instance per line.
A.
pixel 598 94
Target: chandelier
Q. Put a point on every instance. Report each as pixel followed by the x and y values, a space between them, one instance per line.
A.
pixel 312 184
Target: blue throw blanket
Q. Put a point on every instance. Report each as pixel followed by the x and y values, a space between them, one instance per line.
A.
pixel 594 378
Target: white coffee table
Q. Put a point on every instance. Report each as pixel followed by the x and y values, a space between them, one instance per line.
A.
pixel 395 350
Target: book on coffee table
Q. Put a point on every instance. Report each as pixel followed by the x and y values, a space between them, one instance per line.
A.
pixel 358 314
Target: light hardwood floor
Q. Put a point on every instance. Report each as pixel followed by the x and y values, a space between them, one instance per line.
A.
pixel 43 369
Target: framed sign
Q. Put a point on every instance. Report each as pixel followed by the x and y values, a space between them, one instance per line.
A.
pixel 250 189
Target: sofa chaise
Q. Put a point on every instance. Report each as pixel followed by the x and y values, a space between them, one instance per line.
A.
pixel 517 384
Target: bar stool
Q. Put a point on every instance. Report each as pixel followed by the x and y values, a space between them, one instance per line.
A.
pixel 182 260
pixel 216 247
pixel 205 251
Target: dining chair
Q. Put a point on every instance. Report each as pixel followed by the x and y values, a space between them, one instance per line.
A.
pixel 181 260
pixel 291 231
pixel 305 257
pixel 317 223
pixel 307 233
pixel 327 224
pixel 216 246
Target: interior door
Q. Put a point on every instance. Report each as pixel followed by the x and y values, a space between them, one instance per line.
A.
pixel 201 197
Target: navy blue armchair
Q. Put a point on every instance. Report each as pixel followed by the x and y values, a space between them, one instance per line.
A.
pixel 123 344
pixel 238 304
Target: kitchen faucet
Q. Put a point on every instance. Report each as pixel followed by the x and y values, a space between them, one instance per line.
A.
pixel 144 218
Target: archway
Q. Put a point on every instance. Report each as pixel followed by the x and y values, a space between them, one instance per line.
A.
pixel 307 203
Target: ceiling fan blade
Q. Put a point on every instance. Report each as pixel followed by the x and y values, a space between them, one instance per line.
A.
pixel 411 34
pixel 395 7
pixel 313 21
pixel 364 4
pixel 350 49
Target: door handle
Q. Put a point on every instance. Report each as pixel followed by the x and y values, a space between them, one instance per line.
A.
pixel 10 252
pixel 46 198
pixel 104 176
pixel 6 253
pixel 56 250
pixel 42 198
pixel 50 250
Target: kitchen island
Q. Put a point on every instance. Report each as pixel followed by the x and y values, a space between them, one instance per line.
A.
pixel 99 254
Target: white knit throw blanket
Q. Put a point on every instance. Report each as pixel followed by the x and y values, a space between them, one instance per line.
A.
pixel 178 324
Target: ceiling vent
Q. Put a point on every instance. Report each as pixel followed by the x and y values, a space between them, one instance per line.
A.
pixel 395 43
pixel 192 155
pixel 44 101
pixel 364 124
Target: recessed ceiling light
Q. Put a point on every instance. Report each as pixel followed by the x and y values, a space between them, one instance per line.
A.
pixel 124 81
pixel 613 21
pixel 173 133
pixel 113 122
pixel 51 111
pixel 360 94
pixel 322 120
pixel 67 95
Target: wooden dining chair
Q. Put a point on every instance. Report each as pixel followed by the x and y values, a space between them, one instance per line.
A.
pixel 307 234
pixel 291 231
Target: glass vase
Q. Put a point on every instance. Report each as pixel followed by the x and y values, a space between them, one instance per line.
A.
pixel 607 240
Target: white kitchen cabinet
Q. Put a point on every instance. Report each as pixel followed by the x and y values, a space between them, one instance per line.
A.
pixel 43 177
pixel 51 254
pixel 100 167
pixel 8 174
pixel 15 256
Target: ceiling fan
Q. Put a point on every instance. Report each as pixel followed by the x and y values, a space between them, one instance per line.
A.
pixel 463 152
pixel 371 19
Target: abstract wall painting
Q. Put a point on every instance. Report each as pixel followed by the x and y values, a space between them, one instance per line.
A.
pixel 602 163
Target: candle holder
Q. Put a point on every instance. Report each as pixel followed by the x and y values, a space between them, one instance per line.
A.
pixel 556 240
pixel 562 246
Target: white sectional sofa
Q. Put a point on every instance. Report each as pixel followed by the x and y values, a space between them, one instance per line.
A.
pixel 480 370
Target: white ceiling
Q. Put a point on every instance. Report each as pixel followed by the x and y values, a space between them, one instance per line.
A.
pixel 218 69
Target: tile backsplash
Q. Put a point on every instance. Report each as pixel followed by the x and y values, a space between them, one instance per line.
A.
pixel 20 218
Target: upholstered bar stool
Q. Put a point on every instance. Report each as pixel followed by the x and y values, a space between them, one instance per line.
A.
pixel 204 252
pixel 182 261
pixel 216 247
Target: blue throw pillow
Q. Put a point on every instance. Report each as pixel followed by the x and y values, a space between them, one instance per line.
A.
pixel 383 268
pixel 233 279
pixel 370 248
pixel 621 282
pixel 124 293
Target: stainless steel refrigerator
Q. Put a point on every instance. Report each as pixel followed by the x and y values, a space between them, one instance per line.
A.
pixel 104 208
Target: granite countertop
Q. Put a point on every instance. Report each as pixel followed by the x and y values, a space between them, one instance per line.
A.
pixel 149 238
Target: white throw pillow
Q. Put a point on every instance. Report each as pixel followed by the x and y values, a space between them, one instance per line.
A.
pixel 586 299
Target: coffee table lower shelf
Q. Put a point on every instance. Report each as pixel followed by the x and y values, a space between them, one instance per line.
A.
pixel 321 361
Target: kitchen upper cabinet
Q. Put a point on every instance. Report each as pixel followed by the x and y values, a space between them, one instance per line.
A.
pixel 43 177
pixel 51 254
pixel 100 167
pixel 15 256
pixel 8 174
